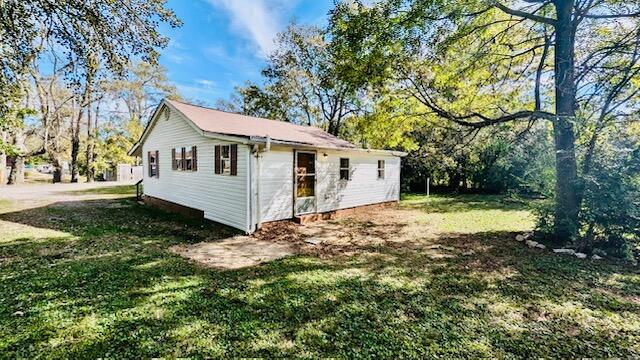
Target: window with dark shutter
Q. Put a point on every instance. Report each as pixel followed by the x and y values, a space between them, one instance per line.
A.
pixel 344 169
pixel 226 159
pixel 178 158
pixel 149 165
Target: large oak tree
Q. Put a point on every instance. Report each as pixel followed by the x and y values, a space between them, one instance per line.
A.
pixel 577 58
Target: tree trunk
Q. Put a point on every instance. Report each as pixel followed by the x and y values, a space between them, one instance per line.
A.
pixel 75 150
pixel 57 169
pixel 3 159
pixel 89 154
pixel 566 213
pixel 16 176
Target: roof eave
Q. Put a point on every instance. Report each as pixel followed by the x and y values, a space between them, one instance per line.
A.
pixel 136 150
pixel 262 140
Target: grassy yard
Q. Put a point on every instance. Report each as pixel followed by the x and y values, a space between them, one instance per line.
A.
pixel 94 278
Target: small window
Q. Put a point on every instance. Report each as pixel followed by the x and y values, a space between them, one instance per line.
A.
pixel 380 169
pixel 178 159
pixel 225 159
pixel 188 159
pixel 344 169
pixel 153 164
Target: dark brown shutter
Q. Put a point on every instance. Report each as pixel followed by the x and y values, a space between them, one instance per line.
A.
pixel 157 163
pixel 184 156
pixel 174 166
pixel 217 161
pixel 149 163
pixel 234 159
pixel 194 158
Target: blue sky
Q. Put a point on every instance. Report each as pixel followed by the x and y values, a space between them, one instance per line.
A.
pixel 223 43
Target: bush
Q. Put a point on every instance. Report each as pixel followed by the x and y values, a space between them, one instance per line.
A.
pixel 609 217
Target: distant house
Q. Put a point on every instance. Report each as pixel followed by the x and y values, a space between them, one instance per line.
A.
pixel 243 171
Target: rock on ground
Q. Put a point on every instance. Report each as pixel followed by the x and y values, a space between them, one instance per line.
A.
pixel 564 251
pixel 531 243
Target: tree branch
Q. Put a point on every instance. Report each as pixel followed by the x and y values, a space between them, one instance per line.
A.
pixel 526 15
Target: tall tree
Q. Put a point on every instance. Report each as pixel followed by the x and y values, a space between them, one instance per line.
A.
pixel 111 32
pixel 585 46
pixel 301 84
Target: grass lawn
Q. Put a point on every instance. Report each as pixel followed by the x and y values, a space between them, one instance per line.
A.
pixel 110 190
pixel 95 278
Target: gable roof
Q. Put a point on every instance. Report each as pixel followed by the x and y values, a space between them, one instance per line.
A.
pixel 217 123
pixel 221 122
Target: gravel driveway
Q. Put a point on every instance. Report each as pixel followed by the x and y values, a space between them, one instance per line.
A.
pixel 31 195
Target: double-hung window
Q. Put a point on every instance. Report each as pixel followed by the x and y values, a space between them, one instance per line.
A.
pixel 184 158
pixel 344 169
pixel 225 159
pixel 188 158
pixel 177 158
pixel 380 169
pixel 152 156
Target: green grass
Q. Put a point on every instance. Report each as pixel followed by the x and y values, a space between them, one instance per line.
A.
pixel 109 190
pixel 470 214
pixel 95 279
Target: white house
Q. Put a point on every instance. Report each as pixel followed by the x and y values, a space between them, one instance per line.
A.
pixel 243 171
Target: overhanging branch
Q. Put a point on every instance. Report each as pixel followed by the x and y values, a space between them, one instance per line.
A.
pixel 526 15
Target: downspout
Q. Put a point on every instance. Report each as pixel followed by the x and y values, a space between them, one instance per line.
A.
pixel 258 172
pixel 258 152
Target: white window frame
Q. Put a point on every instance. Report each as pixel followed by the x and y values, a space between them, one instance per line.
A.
pixel 153 165
pixel 225 162
pixel 178 159
pixel 347 169
pixel 188 155
pixel 381 170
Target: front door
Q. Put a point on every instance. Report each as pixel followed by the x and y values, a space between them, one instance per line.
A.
pixel 305 178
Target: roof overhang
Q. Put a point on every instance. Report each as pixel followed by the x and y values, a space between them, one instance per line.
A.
pixel 300 145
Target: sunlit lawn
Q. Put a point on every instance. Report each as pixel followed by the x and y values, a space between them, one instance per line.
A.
pixel 95 279
pixel 470 214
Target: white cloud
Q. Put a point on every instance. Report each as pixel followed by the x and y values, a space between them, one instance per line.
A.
pixel 199 89
pixel 257 20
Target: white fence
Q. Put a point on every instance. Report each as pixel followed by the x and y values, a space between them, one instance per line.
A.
pixel 125 173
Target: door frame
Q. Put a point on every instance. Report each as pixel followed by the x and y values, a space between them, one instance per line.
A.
pixel 295 181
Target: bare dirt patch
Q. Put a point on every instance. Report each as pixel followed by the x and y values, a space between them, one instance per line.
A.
pixel 233 253
pixel 363 232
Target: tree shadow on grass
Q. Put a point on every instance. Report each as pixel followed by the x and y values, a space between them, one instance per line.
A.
pixel 105 285
pixel 106 190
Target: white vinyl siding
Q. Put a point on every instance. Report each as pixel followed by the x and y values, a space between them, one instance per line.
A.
pixel 222 198
pixel 363 187
pixel 276 184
